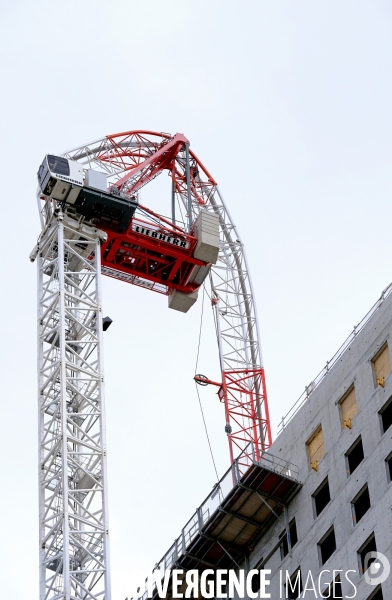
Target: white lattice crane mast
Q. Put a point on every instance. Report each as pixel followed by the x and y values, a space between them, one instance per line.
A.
pixel 93 223
pixel 74 546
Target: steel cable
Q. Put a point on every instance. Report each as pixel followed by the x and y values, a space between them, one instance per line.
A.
pixel 197 389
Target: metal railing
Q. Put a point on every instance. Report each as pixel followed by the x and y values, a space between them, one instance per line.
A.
pixel 330 363
pixel 219 492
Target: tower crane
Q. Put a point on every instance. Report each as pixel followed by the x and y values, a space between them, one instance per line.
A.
pixel 93 223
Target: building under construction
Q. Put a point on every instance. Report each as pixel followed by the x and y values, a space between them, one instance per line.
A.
pixel 317 500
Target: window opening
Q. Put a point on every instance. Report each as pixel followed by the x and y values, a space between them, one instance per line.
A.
pixel 354 455
pixel 284 547
pixel 388 462
pixel 334 590
pixel 348 407
pixel 381 366
pixel 376 595
pixel 386 415
pixel 360 504
pixel 321 497
pixel 316 448
pixel 368 546
pixel 294 585
pixel 327 545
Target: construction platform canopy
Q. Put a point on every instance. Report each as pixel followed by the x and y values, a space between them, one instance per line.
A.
pixel 247 501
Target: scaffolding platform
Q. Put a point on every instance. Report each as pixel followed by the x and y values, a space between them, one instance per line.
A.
pixel 223 531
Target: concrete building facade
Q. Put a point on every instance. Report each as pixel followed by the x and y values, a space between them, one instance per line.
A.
pixel 347 493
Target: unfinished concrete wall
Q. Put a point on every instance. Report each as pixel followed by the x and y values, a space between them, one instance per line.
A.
pixel 322 408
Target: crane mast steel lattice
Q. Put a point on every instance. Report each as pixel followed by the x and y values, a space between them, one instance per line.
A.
pixel 77 243
pixel 74 548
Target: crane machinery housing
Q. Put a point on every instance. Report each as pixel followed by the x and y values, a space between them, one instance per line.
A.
pixel 93 223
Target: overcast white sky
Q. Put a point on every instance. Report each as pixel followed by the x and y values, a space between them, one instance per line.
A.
pixel 288 104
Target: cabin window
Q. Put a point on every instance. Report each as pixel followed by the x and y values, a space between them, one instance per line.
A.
pixel 59 165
